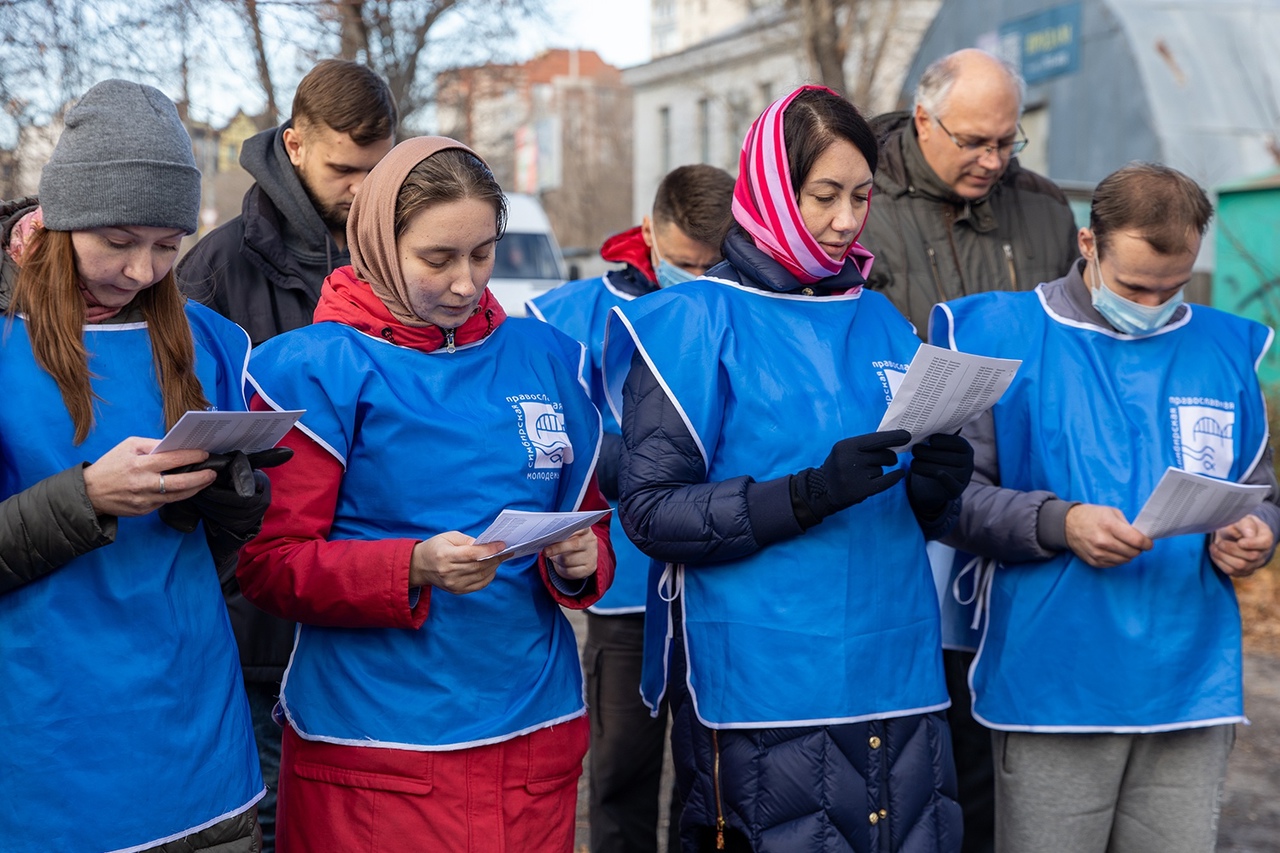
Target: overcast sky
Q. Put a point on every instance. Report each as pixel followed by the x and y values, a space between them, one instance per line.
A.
pixel 618 30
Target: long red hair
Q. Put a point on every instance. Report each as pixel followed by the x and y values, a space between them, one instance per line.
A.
pixel 47 292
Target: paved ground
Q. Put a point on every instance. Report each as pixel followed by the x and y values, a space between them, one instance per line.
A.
pixel 1251 802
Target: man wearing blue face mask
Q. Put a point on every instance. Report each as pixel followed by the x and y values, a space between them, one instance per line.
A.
pixel 1110 665
pixel 679 242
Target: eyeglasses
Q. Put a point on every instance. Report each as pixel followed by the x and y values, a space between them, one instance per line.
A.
pixel 980 147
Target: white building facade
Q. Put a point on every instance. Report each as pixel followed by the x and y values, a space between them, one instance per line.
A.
pixel 678 24
pixel 695 106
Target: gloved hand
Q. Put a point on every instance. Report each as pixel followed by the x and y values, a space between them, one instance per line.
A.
pixel 853 472
pixel 941 466
pixel 236 500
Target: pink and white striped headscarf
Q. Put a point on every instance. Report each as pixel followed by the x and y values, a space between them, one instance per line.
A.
pixel 765 205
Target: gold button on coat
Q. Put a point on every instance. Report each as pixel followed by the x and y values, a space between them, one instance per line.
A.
pixel 874 742
pixel 874 818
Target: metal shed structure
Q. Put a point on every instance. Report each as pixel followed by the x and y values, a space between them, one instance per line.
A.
pixel 1247 278
pixel 1191 83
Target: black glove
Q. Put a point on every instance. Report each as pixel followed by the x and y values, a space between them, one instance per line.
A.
pixel 941 466
pixel 235 500
pixel 853 472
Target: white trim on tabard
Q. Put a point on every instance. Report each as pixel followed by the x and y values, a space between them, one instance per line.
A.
pixel 342 460
pixel 192 830
pixel 1111 333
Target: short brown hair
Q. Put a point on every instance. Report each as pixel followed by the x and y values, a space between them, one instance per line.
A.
pixel 347 97
pixel 1161 204
pixel 698 200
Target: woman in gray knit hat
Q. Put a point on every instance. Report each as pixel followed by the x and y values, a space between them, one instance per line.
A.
pixel 123 718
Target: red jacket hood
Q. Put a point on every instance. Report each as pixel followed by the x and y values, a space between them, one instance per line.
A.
pixel 629 248
pixel 348 300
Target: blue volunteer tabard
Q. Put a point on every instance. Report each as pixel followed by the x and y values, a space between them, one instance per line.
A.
pixel 959 577
pixel 433 442
pixel 122 714
pixel 580 309
pixel 839 624
pixel 1097 416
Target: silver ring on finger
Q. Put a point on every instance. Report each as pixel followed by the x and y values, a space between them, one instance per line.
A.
pixel 162 490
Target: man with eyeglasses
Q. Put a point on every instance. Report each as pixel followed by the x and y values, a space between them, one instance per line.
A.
pixel 954 214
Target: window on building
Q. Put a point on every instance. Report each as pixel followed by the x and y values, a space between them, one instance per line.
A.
pixel 739 115
pixel 704 130
pixel 664 139
pixel 1035 125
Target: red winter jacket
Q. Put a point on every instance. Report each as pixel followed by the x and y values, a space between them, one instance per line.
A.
pixel 292 569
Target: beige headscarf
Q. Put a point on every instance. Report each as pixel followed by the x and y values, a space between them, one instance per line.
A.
pixel 371 235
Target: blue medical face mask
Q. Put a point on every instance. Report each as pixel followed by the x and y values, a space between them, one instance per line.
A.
pixel 669 274
pixel 1128 316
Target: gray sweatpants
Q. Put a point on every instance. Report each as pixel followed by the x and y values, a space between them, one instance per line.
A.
pixel 1110 793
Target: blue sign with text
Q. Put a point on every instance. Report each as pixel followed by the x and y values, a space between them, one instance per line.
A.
pixel 1046 44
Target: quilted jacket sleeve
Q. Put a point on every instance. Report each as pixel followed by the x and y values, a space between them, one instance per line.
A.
pixel 668 509
pixel 1010 525
pixel 47 525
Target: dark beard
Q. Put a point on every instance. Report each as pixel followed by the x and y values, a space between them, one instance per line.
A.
pixel 333 217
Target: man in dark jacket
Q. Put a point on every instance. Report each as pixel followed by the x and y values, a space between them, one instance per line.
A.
pixel 681 241
pixel 264 270
pixel 955 214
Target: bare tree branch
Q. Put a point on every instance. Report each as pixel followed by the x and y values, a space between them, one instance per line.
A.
pixel 250 16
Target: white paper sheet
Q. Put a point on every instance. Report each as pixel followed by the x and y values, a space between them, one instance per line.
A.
pixel 1185 503
pixel 944 390
pixel 223 432
pixel 529 532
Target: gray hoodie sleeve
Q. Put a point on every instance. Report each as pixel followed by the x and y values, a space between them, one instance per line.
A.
pixel 1020 527
pixel 1006 524
pixel 47 525
pixel 1268 512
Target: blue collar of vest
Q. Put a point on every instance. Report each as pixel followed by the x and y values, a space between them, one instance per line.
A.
pixel 756 269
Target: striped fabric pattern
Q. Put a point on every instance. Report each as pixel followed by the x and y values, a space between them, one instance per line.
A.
pixel 765 205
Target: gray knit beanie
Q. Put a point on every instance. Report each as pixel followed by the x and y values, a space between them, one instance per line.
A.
pixel 124 158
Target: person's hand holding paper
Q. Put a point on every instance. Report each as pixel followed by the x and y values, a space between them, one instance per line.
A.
pixel 574 558
pixel 455 563
pixel 1103 537
pixel 1242 548
pixel 236 499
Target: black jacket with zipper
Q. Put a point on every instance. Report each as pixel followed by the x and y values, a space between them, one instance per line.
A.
pixel 264 268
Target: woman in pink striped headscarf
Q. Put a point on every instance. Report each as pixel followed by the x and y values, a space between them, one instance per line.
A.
pixel 792 622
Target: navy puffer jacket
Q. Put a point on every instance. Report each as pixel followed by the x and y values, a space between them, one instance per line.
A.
pixel 870 787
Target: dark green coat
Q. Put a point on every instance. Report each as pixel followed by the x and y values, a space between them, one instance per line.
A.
pixel 933 246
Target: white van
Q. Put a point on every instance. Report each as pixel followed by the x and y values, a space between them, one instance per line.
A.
pixel 527 262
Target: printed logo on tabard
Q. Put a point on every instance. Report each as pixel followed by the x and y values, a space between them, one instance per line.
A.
pixel 1204 435
pixel 891 374
pixel 540 423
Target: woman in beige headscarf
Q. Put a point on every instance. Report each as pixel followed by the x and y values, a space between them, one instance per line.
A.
pixel 434 698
